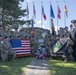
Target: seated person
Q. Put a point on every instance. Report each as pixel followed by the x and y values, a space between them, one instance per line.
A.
pixel 40 53
pixel 6 49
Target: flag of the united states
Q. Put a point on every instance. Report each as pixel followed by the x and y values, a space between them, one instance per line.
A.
pixel 22 47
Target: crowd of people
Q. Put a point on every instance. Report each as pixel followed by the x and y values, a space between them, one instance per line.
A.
pixel 34 34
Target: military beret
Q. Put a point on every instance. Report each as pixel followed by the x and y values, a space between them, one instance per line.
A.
pixel 66 27
pixel 73 21
pixel 60 27
pixel 0 26
pixel 18 36
pixel 6 37
pixel 25 36
pixel 0 35
pixel 10 36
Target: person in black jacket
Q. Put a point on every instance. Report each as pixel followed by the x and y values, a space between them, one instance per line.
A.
pixel 73 38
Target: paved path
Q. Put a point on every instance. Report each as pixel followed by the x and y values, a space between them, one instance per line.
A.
pixel 37 67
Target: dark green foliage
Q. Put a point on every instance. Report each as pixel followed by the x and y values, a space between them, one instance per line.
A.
pixel 11 13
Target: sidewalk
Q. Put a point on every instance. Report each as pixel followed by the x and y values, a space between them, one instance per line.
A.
pixel 37 67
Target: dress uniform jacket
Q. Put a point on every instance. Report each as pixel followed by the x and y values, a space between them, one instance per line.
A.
pixel 73 38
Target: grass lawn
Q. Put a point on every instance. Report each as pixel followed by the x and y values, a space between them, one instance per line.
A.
pixel 15 68
pixel 58 67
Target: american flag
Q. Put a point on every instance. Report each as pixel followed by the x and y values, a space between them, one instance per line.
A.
pixel 22 47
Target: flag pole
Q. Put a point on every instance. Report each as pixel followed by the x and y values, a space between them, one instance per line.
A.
pixel 33 19
pixel 41 16
pixel 33 10
pixel 64 16
pixel 27 13
pixel 50 22
pixel 57 16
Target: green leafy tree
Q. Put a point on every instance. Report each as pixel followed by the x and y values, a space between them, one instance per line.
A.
pixel 11 13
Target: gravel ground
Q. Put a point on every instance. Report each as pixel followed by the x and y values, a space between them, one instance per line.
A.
pixel 37 67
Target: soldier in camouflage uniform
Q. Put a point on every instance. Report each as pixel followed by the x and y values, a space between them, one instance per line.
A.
pixel 23 33
pixel 67 33
pixel 15 33
pixel 47 44
pixel 70 50
pixel 34 44
pixel 6 49
pixel 28 34
pixel 2 33
pixel 52 43
pixel 9 33
pixel 0 45
pixel 61 32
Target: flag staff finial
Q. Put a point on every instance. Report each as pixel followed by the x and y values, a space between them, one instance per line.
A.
pixel 64 1
pixel 57 1
pixel 41 1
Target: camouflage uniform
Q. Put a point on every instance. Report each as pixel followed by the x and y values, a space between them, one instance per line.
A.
pixel 47 45
pixel 15 34
pixel 70 50
pixel 2 33
pixel 0 49
pixel 67 33
pixel 23 34
pixel 0 45
pixel 9 33
pixel 61 33
pixel 28 34
pixel 34 44
pixel 52 43
pixel 6 49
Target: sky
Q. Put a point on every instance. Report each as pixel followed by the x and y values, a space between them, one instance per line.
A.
pixel 70 4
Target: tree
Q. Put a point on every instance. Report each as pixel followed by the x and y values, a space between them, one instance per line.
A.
pixel 11 13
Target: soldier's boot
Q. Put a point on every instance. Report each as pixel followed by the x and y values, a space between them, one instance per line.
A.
pixel 14 57
pixel 4 58
pixel 65 60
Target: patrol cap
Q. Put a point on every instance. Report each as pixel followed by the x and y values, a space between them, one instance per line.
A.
pixel 73 21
